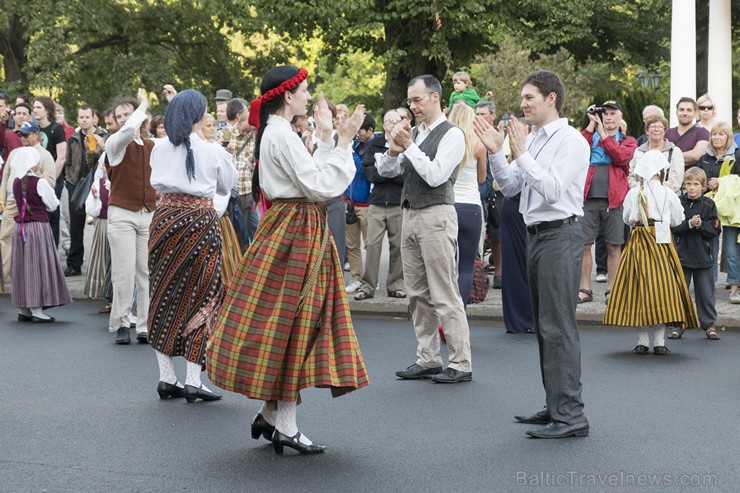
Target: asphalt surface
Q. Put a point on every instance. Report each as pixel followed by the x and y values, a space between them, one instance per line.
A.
pixel 80 414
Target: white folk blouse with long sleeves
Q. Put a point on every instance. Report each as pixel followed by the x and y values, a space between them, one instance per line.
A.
pixel 287 170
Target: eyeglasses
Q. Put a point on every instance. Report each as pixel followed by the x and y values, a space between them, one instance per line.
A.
pixel 392 121
pixel 417 99
pixel 656 127
pixel 706 108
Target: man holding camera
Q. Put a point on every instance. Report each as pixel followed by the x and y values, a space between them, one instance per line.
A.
pixel 605 189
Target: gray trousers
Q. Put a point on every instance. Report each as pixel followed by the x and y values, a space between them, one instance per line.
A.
pixel 554 260
pixel 703 294
pixel 382 219
pixel 337 224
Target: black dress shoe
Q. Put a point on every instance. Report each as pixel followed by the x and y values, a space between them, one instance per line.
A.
pixel 122 336
pixel 450 375
pixel 415 372
pixel 70 272
pixel 24 318
pixel 539 418
pixel 42 320
pixel 142 337
pixel 260 426
pixel 279 441
pixel 193 393
pixel 167 390
pixel 660 350
pixel 555 429
pixel 640 349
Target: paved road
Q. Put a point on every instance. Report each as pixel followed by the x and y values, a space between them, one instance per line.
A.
pixel 80 414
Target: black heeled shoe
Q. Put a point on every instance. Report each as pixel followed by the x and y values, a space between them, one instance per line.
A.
pixel 193 393
pixel 279 441
pixel 167 390
pixel 24 318
pixel 260 426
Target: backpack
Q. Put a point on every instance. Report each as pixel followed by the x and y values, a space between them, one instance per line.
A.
pixel 481 283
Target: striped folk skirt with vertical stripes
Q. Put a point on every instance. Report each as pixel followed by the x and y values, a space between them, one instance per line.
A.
pixel 38 278
pixel 649 287
pixel 285 324
pixel 231 253
pixel 184 275
pixel 99 260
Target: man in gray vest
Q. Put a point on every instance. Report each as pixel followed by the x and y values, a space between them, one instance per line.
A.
pixel 429 157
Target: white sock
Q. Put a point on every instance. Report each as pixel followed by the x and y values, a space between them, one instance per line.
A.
pixel 269 415
pixel 193 377
pixel 286 420
pixel 39 313
pixel 643 339
pixel 659 335
pixel 166 370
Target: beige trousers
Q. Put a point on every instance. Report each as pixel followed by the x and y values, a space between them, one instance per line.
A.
pixel 7 229
pixel 428 250
pixel 357 239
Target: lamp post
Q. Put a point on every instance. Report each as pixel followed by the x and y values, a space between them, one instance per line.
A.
pixel 648 80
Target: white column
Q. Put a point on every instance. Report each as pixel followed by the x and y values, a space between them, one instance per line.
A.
pixel 719 75
pixel 683 53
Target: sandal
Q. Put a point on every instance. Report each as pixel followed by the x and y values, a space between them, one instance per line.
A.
pixel 589 296
pixel 712 334
pixel 397 294
pixel 362 295
pixel 674 334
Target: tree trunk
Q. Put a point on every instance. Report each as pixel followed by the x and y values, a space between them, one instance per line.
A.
pixel 14 54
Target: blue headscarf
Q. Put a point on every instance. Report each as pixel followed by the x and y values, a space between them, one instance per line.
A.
pixel 185 110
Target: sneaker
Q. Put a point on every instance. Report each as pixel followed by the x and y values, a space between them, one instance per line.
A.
pixel 347 266
pixel 735 297
pixel 354 286
pixel 601 278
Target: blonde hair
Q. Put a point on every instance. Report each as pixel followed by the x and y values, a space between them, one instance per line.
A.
pixel 725 129
pixel 706 99
pixel 463 76
pixel 462 116
pixel 696 173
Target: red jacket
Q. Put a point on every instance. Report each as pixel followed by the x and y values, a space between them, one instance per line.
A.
pixel 621 155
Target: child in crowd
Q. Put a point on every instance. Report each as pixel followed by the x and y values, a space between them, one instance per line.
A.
pixel 649 290
pixel 38 278
pixel 463 90
pixel 694 237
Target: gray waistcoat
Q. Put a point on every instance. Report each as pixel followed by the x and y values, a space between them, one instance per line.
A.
pixel 416 191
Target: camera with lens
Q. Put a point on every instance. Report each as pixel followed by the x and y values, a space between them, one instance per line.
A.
pixel 596 110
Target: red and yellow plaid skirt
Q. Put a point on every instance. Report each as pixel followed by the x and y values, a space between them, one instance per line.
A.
pixel 265 343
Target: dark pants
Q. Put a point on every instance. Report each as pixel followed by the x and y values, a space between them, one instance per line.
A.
pixel 250 216
pixel 76 233
pixel 554 259
pixel 337 224
pixel 703 294
pixel 469 225
pixel 54 215
pixel 515 298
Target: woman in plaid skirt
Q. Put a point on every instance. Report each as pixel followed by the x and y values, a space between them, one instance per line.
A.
pixel 285 324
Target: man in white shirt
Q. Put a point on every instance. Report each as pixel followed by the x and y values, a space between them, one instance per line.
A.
pixel 429 157
pixel 550 172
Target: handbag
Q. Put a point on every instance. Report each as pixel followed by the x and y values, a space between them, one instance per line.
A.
pixel 79 196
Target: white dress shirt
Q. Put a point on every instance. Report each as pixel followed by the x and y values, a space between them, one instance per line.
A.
pixel 435 172
pixel 287 170
pixel 115 146
pixel 215 170
pixel 550 175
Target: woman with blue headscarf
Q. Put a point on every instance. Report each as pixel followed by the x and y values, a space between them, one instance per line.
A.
pixel 185 244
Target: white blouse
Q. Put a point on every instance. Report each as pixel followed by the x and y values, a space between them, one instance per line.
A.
pixel 663 205
pixel 466 185
pixel 214 168
pixel 287 170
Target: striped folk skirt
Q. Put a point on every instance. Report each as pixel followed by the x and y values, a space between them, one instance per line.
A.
pixel 38 278
pixel 184 275
pixel 649 287
pixel 285 324
pixel 99 260
pixel 231 253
